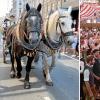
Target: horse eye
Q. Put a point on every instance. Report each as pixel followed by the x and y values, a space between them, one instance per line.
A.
pixel 63 23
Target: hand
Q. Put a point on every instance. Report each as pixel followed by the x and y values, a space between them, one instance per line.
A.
pixel 98 78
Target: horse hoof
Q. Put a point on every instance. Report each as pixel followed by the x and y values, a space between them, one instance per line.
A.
pixel 27 85
pixel 49 83
pixel 19 75
pixel 12 75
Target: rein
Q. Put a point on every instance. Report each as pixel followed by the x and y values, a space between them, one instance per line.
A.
pixel 58 23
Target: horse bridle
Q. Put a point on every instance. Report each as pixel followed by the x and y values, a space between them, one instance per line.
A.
pixel 26 36
pixel 62 33
pixel 25 31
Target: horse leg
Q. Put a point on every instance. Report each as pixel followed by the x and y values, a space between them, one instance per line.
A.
pixel 46 71
pixel 19 66
pixel 28 69
pixel 12 72
pixel 36 57
pixel 53 62
pixel 59 52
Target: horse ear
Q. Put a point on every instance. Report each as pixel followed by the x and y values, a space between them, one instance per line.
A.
pixel 39 7
pixel 69 9
pixel 27 7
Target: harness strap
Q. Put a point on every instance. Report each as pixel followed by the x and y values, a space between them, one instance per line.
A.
pixel 63 34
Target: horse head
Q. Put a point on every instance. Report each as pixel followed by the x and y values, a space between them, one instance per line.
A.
pixel 58 25
pixel 64 22
pixel 31 25
pixel 65 25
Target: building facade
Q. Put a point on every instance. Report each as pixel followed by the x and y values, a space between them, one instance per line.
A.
pixel 17 9
pixel 30 2
pixel 33 3
pixel 49 5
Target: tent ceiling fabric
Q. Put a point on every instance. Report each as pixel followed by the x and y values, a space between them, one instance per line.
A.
pixel 88 10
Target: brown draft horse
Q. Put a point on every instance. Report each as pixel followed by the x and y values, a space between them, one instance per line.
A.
pixel 22 40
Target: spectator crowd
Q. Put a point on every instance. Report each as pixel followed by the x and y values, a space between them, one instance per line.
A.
pixel 90 59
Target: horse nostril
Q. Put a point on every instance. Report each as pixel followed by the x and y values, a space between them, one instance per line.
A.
pixel 33 37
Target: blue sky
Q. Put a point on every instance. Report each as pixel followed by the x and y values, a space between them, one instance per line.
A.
pixel 5 6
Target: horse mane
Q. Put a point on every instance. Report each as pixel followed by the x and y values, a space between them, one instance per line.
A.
pixel 53 17
pixel 51 21
pixel 10 30
pixel 20 27
pixel 22 19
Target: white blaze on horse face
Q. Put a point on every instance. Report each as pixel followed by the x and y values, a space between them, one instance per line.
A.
pixel 33 35
pixel 33 18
